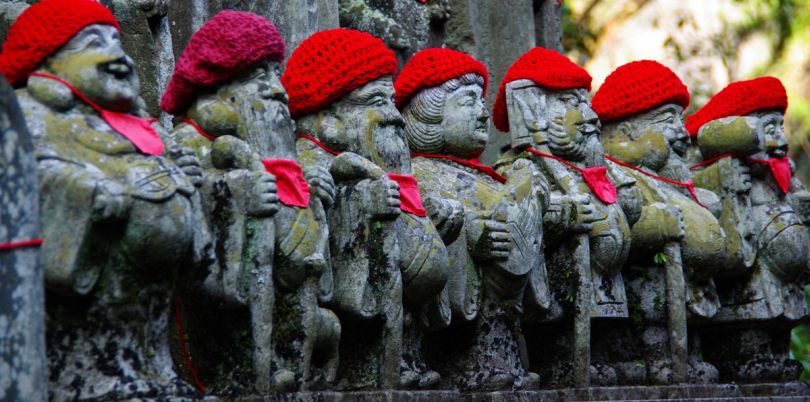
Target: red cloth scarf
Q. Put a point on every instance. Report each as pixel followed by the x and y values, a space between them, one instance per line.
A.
pixel 470 163
pixel 780 168
pixel 137 130
pixel 595 177
pixel 293 189
pixel 410 200
pixel 690 185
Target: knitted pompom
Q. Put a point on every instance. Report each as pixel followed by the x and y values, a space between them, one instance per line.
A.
pixel 330 64
pixel 739 99
pixel 44 28
pixel 638 86
pixel 228 43
pixel 431 67
pixel 545 68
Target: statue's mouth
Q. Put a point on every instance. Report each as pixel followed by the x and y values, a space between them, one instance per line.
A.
pixel 119 68
pixel 679 147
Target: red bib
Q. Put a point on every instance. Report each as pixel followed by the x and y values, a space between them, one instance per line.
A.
pixel 137 130
pixel 410 200
pixel 292 189
pixel 780 169
pixel 595 177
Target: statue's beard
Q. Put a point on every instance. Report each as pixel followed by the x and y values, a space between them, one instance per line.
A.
pixel 268 128
pixel 389 148
pixel 589 151
pixel 676 169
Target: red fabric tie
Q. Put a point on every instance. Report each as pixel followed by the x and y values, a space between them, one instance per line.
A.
pixel 20 244
pixel 710 161
pixel 780 168
pixel 410 200
pixel 470 163
pixel 137 130
pixel 690 185
pixel 595 177
pixel 293 189
pixel 318 143
pixel 199 129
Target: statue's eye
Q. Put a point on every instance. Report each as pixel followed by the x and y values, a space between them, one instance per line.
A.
pixel 570 100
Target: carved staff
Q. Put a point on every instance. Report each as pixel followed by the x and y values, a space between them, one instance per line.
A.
pixel 522 111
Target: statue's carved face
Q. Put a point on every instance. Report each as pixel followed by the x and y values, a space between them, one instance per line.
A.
pixel 649 138
pixel 94 62
pixel 573 125
pixel 464 125
pixel 366 121
pixel 770 125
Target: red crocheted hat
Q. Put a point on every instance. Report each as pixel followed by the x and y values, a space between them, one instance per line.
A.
pixel 431 67
pixel 638 86
pixel 42 29
pixel 329 64
pixel 739 99
pixel 228 43
pixel 544 67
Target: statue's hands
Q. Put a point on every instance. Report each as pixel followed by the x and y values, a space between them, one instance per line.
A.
pixel 321 184
pixel 670 220
pixel 109 203
pixel 493 241
pixel 582 213
pixel 187 161
pixel 263 200
pixel 447 216
pixel 740 181
pixel 382 198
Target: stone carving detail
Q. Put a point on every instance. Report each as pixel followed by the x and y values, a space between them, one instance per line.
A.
pixel 558 133
pixel 498 248
pixel 270 230
pixel 769 206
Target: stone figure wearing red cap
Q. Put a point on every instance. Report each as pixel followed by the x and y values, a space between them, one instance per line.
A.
pixel 266 212
pixel 543 104
pixel 743 124
pixel 119 217
pixel 679 240
pixel 389 263
pixel 498 249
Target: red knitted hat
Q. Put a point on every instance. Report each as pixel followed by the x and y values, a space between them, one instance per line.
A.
pixel 431 67
pixel 329 64
pixel 42 29
pixel 638 86
pixel 546 68
pixel 739 99
pixel 228 43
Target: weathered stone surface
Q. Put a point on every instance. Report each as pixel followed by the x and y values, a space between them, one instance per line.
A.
pixel 22 285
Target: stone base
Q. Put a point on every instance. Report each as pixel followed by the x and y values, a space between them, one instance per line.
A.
pixel 727 392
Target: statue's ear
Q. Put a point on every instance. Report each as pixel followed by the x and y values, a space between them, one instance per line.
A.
pixel 625 129
pixel 52 93
pixel 524 104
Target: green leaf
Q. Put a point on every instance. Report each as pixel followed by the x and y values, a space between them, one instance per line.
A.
pixel 660 258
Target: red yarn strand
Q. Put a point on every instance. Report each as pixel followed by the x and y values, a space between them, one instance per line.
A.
pixel 690 185
pixel 182 341
pixel 318 143
pixel 21 244
pixel 199 129
pixel 468 163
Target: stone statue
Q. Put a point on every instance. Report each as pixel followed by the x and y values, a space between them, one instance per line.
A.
pixel 406 26
pixel 498 249
pixel 553 127
pixel 742 124
pixel 119 217
pixel 268 220
pixel 679 229
pixel 22 295
pixel 389 263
